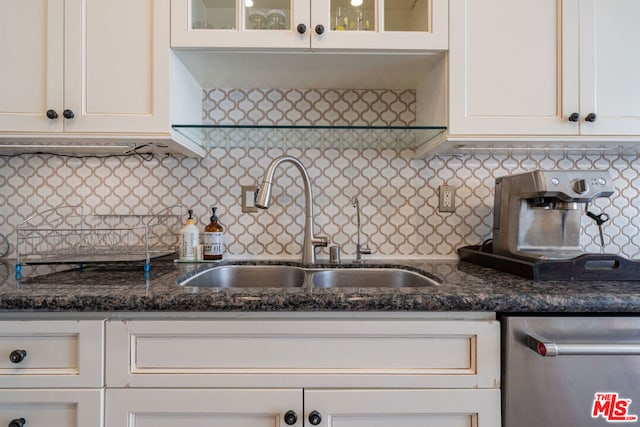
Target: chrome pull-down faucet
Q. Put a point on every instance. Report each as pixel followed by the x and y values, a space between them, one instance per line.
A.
pixel 264 196
pixel 360 249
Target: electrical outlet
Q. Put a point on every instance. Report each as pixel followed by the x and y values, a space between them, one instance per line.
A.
pixel 446 198
pixel 249 198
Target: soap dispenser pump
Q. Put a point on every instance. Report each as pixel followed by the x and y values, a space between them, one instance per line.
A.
pixel 213 239
pixel 189 239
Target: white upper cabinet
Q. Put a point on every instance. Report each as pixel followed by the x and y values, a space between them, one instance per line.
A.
pixel 380 25
pixel 33 65
pixel 69 67
pixel 506 68
pixel 610 66
pixel 116 66
pixel 544 68
pixel 86 70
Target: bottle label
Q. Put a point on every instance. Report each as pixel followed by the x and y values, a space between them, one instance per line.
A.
pixel 213 243
pixel 188 244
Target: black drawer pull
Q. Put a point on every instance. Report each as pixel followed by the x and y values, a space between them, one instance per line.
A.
pixel 290 418
pixel 17 356
pixel 315 418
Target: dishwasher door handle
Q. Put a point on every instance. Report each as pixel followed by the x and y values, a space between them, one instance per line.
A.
pixel 548 348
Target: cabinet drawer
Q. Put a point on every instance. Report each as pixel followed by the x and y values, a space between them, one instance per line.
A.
pixel 303 353
pixel 51 353
pixel 52 408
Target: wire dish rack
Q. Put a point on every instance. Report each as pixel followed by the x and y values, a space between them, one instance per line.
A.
pixel 66 235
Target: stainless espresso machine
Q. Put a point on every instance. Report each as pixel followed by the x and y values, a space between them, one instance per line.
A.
pixel 538 215
pixel 537 226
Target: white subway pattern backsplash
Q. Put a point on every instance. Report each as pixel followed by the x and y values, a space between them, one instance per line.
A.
pixel 398 196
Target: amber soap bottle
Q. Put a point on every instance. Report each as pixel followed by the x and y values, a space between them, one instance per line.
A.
pixel 213 239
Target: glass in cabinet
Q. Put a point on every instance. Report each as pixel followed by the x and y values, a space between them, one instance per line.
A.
pixel 378 25
pixel 249 14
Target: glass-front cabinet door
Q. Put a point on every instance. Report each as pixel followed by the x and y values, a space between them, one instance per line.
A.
pixel 240 23
pixel 409 25
pixel 397 25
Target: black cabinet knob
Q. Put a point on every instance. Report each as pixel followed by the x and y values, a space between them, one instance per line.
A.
pixel 17 356
pixel 68 114
pixel 319 29
pixel 301 28
pixel 17 422
pixel 52 115
pixel 591 117
pixel 315 418
pixel 574 117
pixel 290 418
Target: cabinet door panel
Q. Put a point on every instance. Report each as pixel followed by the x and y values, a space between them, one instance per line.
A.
pixel 190 26
pixel 117 65
pixel 52 408
pixel 426 27
pixel 31 45
pixel 316 353
pixel 610 66
pixel 201 408
pixel 404 408
pixel 507 72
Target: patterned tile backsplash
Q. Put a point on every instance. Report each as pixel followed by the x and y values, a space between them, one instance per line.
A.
pixel 398 196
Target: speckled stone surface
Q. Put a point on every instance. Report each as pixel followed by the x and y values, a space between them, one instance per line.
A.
pixel 462 287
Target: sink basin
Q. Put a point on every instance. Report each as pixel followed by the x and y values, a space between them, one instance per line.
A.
pixel 248 276
pixel 283 276
pixel 370 278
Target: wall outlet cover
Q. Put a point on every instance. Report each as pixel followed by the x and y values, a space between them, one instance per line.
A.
pixel 446 198
pixel 248 198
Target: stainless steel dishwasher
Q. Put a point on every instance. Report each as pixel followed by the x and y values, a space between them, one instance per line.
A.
pixel 570 371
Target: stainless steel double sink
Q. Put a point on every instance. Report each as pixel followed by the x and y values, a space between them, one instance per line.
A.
pixel 284 276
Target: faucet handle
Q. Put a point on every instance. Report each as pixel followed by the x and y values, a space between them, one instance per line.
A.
pixel 361 250
pixel 320 241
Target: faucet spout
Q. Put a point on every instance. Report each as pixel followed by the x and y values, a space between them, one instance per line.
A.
pixel 264 197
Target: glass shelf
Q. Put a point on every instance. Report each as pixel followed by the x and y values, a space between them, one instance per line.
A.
pixel 321 137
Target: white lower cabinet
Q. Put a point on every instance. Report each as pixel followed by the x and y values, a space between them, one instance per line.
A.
pixel 51 373
pixel 251 371
pixel 200 407
pixel 297 407
pixel 303 372
pixel 403 408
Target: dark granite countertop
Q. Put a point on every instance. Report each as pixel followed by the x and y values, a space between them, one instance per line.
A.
pixel 463 287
